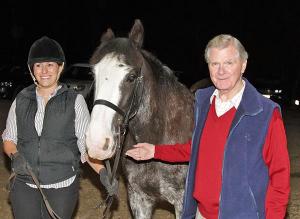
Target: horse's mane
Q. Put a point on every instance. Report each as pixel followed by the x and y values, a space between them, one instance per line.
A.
pixel 116 46
pixel 166 81
pixel 170 94
pixel 161 72
pixel 165 78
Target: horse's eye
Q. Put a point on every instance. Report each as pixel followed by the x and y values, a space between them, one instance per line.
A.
pixel 131 77
pixel 121 65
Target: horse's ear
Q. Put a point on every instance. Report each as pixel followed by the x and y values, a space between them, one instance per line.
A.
pixel 136 34
pixel 108 35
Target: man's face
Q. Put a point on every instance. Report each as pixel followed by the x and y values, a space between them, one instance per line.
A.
pixel 226 69
pixel 47 73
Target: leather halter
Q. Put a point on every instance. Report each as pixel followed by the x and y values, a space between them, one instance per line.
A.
pixel 110 105
pixel 135 101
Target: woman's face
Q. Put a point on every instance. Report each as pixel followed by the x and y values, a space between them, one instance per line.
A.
pixel 47 73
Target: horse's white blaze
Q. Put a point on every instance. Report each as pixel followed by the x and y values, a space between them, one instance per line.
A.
pixel 109 73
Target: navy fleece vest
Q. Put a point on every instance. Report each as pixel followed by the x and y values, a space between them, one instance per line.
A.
pixel 244 175
pixel 54 156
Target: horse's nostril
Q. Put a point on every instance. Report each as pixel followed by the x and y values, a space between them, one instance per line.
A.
pixel 106 144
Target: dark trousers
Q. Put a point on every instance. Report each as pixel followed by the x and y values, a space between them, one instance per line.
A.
pixel 27 202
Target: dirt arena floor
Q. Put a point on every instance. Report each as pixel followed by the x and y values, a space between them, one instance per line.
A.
pixel 91 192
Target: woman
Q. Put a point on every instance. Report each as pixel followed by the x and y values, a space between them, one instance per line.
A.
pixel 45 132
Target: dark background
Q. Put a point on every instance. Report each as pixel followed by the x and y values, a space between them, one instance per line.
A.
pixel 175 31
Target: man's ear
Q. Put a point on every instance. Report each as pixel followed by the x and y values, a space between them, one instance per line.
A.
pixel 244 66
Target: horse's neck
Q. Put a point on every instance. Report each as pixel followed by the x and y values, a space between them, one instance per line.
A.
pixel 164 119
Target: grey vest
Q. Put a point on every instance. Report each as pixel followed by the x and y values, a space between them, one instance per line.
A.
pixel 53 156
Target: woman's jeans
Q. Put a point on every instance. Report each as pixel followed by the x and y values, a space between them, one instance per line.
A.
pixel 27 202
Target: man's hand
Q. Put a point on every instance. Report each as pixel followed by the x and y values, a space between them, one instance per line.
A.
pixel 141 151
pixel 111 188
pixel 19 164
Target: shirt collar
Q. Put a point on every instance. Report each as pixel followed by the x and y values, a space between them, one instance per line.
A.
pixel 51 95
pixel 234 101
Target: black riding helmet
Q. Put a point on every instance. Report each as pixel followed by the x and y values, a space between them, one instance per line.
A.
pixel 45 49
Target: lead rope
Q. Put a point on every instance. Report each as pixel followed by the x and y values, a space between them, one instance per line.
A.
pixel 52 213
pixel 112 173
pixel 122 132
pixel 48 206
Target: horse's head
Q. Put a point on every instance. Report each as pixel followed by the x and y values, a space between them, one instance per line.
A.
pixel 118 65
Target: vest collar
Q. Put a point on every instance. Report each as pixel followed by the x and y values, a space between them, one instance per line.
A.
pixel 29 91
pixel 251 101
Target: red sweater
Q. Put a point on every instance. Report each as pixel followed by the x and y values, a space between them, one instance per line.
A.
pixel 207 188
pixel 210 159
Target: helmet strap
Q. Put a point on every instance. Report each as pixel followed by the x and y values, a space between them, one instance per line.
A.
pixel 33 77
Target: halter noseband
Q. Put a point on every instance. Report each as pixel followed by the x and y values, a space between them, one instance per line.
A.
pixel 110 105
pixel 134 100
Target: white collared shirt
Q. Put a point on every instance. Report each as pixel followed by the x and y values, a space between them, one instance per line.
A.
pixel 223 106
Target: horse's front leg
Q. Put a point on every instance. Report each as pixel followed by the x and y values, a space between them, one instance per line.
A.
pixel 178 209
pixel 141 205
pixel 174 197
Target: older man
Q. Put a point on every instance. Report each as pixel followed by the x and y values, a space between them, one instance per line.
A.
pixel 239 164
